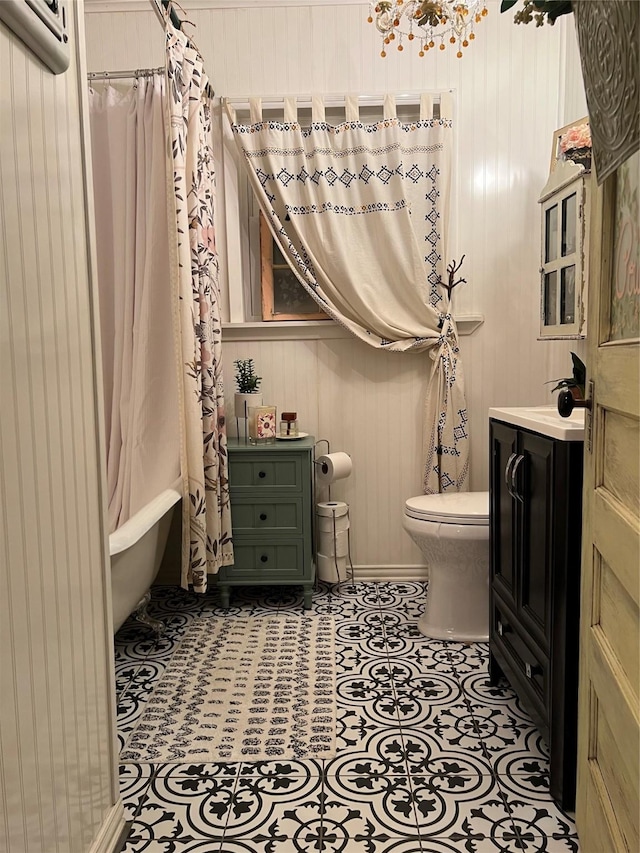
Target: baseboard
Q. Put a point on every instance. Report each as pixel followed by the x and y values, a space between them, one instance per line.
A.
pixel 170 575
pixel 385 574
pixel 109 838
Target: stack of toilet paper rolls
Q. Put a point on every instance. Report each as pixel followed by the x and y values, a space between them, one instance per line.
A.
pixel 332 520
pixel 333 540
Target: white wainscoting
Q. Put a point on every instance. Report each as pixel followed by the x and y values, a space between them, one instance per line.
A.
pixel 58 772
pixel 511 95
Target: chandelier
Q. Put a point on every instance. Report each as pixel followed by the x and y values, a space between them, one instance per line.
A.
pixel 432 23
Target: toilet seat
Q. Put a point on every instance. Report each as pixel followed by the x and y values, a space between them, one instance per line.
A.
pixel 450 508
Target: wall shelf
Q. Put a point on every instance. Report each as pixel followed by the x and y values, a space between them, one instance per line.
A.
pixel 293 330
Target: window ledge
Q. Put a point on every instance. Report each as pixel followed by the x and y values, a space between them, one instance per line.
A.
pixel 306 330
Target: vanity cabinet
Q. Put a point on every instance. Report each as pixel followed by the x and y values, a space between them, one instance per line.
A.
pixel 535 524
pixel 271 515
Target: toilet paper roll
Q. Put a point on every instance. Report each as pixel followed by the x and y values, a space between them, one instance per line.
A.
pixel 332 467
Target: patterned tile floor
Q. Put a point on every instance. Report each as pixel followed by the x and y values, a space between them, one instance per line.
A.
pixel 431 758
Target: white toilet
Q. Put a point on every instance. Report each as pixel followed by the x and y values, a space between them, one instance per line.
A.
pixel 452 531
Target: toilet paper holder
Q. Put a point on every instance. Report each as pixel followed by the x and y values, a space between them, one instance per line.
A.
pixel 324 468
pixel 319 464
pixel 331 466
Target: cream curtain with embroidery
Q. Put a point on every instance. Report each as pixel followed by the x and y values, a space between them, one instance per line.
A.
pixel 360 211
pixel 207 543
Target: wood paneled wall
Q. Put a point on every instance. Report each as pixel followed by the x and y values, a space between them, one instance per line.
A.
pixel 511 95
pixel 58 774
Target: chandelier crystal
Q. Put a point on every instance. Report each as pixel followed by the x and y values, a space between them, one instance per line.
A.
pixel 432 23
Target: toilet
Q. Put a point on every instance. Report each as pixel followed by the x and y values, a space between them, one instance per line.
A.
pixel 452 531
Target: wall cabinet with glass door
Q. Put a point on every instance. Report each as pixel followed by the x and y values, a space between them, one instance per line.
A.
pixel 565 209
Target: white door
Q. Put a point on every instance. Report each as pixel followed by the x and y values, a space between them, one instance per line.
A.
pixel 609 732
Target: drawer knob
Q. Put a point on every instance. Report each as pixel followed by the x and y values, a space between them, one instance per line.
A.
pixel 262 474
pixel 263 558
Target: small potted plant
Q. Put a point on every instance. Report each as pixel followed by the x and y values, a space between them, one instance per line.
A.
pixel 248 385
pixel 575 383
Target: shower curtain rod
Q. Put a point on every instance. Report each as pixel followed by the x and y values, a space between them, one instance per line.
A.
pixel 124 75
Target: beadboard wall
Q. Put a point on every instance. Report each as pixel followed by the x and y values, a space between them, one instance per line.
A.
pixel 58 771
pixel 513 88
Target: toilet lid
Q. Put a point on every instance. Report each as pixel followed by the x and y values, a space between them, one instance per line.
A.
pixel 451 508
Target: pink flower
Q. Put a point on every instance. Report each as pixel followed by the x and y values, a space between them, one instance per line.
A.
pixel 576 137
pixel 209 237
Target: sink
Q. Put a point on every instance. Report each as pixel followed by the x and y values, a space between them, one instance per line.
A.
pixel 544 420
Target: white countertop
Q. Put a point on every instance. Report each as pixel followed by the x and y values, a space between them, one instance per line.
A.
pixel 544 420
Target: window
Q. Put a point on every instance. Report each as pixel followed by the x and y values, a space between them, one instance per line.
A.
pixel 564 250
pixel 283 297
pixel 261 285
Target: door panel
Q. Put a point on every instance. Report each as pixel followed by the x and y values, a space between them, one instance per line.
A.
pixel 621 457
pixel 609 716
pixel 503 441
pixel 534 599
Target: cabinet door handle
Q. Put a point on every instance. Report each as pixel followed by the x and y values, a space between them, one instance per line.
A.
pixel 263 516
pixel 514 473
pixel 262 474
pixel 531 669
pixel 263 558
pixel 507 472
pixel 503 629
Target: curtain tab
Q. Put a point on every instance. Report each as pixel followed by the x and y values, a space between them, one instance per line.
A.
pixel 426 106
pixel 351 108
pixel 231 111
pixel 446 105
pixel 255 108
pixel 317 109
pixel 390 107
pixel 290 110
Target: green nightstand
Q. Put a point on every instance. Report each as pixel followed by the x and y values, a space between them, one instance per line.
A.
pixel 271 515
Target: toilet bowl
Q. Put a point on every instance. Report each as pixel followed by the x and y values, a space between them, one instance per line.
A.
pixel 452 531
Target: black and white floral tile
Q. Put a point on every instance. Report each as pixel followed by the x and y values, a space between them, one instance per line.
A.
pixel 431 757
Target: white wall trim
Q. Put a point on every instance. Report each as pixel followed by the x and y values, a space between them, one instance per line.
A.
pixel 382 574
pixel 111 831
pixel 313 330
pixel 194 5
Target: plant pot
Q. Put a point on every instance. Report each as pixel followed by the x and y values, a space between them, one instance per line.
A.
pixel 243 401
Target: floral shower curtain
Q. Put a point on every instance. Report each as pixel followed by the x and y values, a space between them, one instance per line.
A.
pixel 360 211
pixel 206 541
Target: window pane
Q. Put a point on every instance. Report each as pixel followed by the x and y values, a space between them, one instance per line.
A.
pixel 278 258
pixel 569 225
pixel 551 234
pixel 289 296
pixel 568 295
pixel 550 298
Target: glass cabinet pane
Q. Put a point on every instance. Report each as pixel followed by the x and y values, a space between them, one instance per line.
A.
pixel 550 298
pixel 569 224
pixel 551 234
pixel 567 295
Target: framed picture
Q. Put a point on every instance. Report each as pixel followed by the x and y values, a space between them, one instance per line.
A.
pixel 283 297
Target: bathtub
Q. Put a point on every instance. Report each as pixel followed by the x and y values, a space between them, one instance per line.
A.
pixel 136 551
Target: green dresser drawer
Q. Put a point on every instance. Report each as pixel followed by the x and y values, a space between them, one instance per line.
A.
pixel 271 489
pixel 248 473
pixel 276 515
pixel 276 562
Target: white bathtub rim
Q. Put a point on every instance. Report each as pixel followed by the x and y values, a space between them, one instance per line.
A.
pixel 140 523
